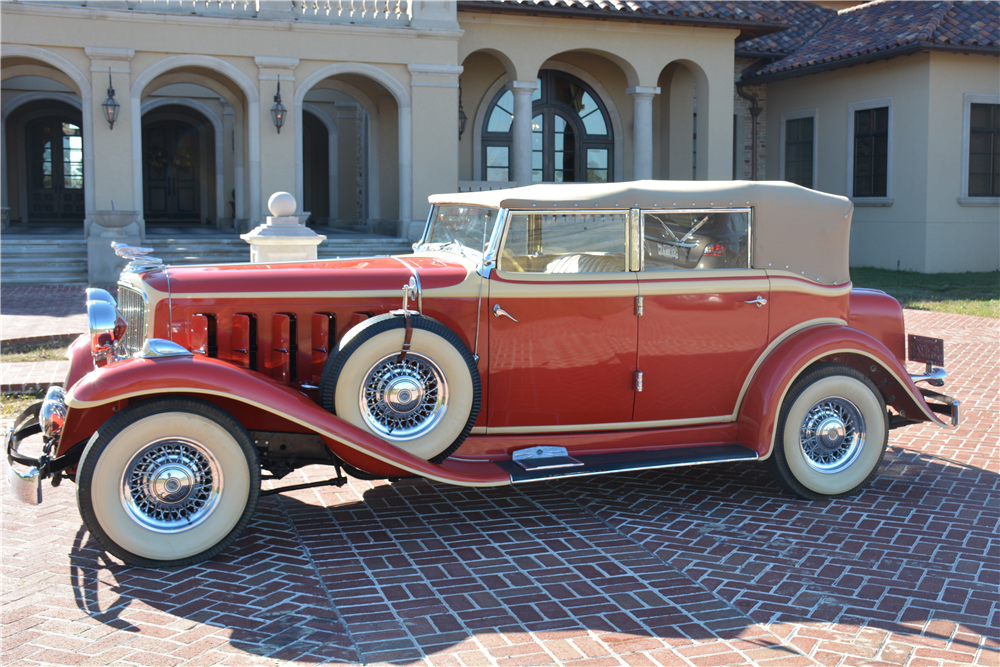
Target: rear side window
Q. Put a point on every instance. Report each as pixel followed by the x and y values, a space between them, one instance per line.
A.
pixel 565 243
pixel 687 240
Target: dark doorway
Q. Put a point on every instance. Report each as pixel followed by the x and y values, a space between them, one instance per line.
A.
pixel 171 179
pixel 316 169
pixel 55 170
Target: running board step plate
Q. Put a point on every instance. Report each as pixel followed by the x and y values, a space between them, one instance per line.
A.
pixel 606 464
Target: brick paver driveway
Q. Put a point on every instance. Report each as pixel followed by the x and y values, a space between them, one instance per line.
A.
pixel 702 566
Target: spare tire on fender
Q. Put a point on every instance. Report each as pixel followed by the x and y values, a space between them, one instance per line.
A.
pixel 425 402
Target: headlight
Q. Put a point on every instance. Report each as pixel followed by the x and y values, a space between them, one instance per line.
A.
pixel 52 416
pixel 107 326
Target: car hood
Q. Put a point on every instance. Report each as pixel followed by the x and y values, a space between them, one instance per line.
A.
pixel 368 274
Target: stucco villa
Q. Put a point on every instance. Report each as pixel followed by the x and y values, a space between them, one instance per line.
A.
pixel 184 116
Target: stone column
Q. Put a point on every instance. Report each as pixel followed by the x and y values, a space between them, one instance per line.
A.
pixel 523 90
pixel 109 177
pixel 278 170
pixel 434 95
pixel 642 131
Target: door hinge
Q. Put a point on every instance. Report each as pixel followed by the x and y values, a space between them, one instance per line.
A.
pixel 637 380
pixel 638 306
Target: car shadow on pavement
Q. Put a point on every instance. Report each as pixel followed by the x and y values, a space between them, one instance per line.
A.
pixel 659 561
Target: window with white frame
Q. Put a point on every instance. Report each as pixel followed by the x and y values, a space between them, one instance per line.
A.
pixel 870 150
pixel 798 147
pixel 981 149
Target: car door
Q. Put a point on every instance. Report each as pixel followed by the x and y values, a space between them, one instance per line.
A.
pixel 704 321
pixel 563 327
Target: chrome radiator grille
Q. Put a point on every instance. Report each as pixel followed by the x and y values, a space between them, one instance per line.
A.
pixel 132 305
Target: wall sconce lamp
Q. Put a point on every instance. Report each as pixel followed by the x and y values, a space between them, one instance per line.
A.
pixel 278 111
pixel 462 118
pixel 111 105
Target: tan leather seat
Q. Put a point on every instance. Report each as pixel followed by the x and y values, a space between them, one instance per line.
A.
pixel 586 263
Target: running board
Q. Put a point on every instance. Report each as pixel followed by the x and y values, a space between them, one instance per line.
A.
pixel 606 464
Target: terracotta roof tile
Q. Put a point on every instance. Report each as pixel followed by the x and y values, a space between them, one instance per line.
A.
pixel 885 26
pixel 710 12
pixel 805 19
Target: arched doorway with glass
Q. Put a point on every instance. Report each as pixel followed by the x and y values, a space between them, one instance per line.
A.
pixel 54 157
pixel 571 140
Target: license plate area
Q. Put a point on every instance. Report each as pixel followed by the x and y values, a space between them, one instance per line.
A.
pixel 925 350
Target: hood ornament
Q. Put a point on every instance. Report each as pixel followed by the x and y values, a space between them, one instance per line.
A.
pixel 140 260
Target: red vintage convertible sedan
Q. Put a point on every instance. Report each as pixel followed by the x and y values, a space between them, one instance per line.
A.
pixel 535 333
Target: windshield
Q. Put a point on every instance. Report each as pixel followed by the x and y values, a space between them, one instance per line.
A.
pixel 460 228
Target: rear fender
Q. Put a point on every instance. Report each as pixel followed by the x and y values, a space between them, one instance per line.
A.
pixel 108 388
pixel 833 343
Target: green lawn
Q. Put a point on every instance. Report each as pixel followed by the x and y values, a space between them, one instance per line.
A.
pixel 961 293
pixel 13 405
pixel 52 351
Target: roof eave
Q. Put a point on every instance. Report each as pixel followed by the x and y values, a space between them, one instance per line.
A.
pixel 748 29
pixel 741 53
pixel 872 57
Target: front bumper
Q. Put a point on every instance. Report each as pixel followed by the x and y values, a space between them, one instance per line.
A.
pixel 26 485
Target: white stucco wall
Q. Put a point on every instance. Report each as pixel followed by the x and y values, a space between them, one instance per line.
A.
pixel 920 226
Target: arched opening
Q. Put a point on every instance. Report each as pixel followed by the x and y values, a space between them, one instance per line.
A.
pixel 221 103
pixel 341 170
pixel 677 142
pixel 44 162
pixel 367 117
pixel 45 149
pixel 572 135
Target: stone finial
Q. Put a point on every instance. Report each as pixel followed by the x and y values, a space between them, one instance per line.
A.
pixel 282 238
pixel 282 205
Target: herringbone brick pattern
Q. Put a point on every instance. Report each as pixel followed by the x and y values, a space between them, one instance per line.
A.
pixel 701 566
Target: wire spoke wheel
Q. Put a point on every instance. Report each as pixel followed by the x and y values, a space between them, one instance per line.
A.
pixel 832 435
pixel 172 485
pixel 402 400
pixel 425 402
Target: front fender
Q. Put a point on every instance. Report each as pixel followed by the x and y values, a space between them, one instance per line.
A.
pixel 106 388
pixel 789 359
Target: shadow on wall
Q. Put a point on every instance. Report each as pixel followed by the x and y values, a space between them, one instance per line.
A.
pixel 638 562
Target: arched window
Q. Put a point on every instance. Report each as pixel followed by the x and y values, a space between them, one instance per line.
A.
pixel 571 133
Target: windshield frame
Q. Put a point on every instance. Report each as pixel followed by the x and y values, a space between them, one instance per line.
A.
pixel 482 262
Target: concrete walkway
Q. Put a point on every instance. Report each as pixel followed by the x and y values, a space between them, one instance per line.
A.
pixel 31 315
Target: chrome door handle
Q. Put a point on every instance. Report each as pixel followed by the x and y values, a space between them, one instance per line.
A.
pixel 498 311
pixel 760 301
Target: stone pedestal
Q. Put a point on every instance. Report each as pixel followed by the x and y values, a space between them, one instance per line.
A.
pixel 103 265
pixel 282 237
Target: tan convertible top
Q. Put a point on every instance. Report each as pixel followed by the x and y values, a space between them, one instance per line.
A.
pixel 794 228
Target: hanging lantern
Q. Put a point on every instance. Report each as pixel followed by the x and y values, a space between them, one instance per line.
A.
pixel 278 110
pixel 111 105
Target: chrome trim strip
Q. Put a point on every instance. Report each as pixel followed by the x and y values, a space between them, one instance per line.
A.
pixel 571 472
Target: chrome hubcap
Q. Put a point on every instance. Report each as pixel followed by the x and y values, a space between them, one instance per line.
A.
pixel 832 435
pixel 171 485
pixel 403 400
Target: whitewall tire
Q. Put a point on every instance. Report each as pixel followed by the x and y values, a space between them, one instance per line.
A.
pixel 168 482
pixel 831 434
